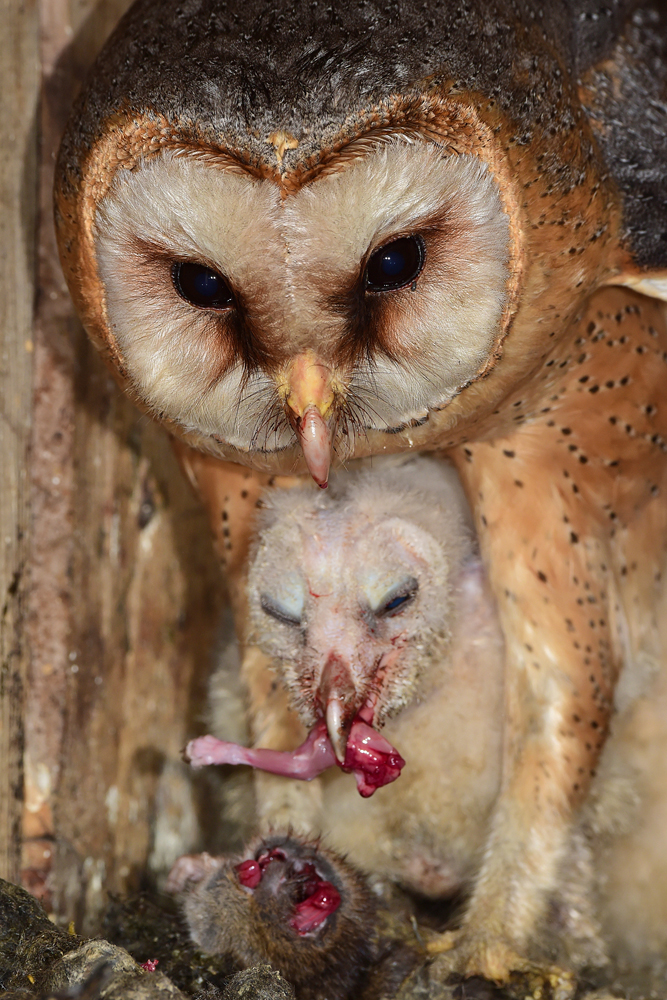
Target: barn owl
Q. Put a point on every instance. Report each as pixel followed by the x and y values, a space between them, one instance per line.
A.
pixel 371 601
pixel 330 233
pixel 374 590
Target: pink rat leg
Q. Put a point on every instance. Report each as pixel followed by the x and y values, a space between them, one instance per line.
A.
pixel 370 757
pixel 305 763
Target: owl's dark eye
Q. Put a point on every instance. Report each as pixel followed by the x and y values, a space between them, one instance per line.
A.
pixel 201 285
pixel 395 264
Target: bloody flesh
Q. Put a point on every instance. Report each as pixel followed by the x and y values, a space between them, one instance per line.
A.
pixel 319 898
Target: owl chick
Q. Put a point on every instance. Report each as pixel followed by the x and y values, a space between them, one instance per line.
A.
pixel 372 601
pixel 286 901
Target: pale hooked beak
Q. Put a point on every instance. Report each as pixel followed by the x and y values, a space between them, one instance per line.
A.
pixel 315 440
pixel 308 396
pixel 339 699
pixel 338 733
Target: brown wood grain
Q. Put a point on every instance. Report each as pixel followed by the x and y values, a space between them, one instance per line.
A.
pixel 19 89
pixel 111 593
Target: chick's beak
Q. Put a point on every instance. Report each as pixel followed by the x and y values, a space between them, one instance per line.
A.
pixel 308 396
pixel 339 699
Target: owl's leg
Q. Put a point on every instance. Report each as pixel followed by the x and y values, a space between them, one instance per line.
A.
pixel 562 660
pixel 231 494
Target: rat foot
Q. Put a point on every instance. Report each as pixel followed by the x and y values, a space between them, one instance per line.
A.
pixel 469 954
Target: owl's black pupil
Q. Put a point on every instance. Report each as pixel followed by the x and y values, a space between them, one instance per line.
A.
pixel 396 264
pixel 201 285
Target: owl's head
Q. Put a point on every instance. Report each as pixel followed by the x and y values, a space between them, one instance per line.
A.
pixel 354 233
pixel 363 300
pixel 352 590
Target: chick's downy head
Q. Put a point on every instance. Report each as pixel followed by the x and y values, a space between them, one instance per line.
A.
pixel 349 589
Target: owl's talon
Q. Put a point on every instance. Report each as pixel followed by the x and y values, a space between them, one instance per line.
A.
pixel 460 952
pixel 442 943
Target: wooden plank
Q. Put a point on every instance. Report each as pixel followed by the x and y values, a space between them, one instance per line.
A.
pixel 125 594
pixel 19 91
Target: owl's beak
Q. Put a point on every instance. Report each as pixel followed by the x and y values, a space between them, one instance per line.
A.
pixel 338 697
pixel 313 434
pixel 308 397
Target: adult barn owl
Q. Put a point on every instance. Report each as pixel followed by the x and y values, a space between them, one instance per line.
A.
pixel 377 227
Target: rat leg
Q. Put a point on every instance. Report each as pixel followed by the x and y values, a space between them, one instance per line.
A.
pixel 281 803
pixel 231 495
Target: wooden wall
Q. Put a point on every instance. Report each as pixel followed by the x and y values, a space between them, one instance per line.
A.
pixel 112 596
pixel 19 89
